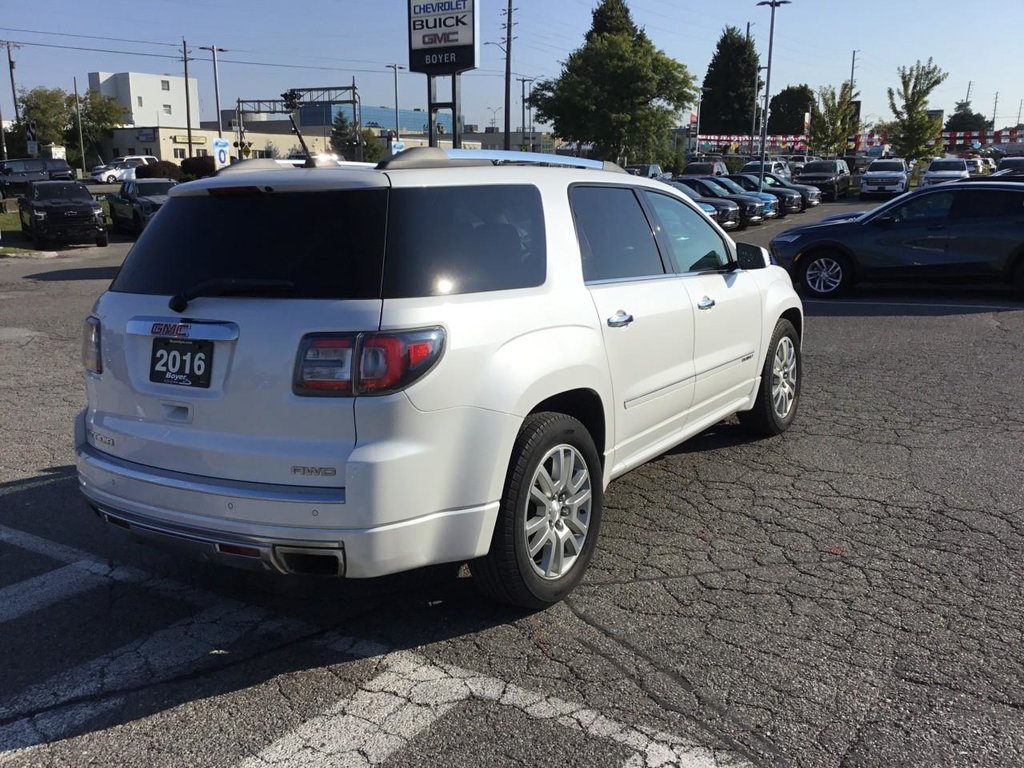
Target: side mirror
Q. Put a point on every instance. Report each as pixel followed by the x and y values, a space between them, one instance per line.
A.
pixel 885 221
pixel 752 256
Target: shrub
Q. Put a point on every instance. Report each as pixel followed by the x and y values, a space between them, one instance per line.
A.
pixel 197 167
pixel 163 169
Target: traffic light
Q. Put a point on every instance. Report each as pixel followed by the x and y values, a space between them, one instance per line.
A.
pixel 292 99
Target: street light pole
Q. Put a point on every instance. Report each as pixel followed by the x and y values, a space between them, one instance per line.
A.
pixel 768 83
pixel 213 49
pixel 757 92
pixel 398 129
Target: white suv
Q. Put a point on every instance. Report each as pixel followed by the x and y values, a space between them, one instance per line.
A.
pixel 356 372
pixel 884 177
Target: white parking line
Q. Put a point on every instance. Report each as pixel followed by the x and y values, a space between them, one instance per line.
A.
pixel 411 694
pixel 30 595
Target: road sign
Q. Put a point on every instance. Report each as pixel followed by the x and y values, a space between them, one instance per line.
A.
pixel 397 146
pixel 33 148
pixel 220 152
pixel 30 131
pixel 443 36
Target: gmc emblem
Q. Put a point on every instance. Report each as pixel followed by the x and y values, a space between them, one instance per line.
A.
pixel 314 471
pixel 170 329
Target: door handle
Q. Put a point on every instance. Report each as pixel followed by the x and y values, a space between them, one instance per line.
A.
pixel 706 303
pixel 620 319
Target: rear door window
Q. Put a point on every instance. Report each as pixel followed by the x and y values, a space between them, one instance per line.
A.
pixel 451 240
pixel 616 239
pixel 988 204
pixel 330 245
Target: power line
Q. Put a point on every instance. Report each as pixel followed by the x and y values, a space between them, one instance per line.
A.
pixel 87 37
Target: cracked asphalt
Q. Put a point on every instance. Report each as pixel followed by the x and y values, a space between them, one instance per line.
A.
pixel 849 594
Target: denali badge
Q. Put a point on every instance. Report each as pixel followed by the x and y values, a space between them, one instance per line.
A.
pixel 315 471
pixel 171 329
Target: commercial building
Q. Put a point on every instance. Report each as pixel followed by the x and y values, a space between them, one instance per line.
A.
pixel 157 100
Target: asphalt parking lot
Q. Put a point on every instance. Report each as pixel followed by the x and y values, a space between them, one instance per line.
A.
pixel 849 594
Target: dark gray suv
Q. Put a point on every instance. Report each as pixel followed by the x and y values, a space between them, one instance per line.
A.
pixel 16 175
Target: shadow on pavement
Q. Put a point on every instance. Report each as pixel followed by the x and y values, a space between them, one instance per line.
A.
pixel 79 273
pixel 396 612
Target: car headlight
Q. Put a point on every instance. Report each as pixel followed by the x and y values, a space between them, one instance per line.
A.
pixel 97 212
pixel 39 214
pixel 791 237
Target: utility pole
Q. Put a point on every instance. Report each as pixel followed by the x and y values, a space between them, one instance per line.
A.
pixel 78 114
pixel 14 92
pixel 213 49
pixel 994 108
pixel 522 83
pixel 395 68
pixel 969 84
pixel 1019 108
pixel 188 98
pixel 748 31
pixel 853 66
pixel 768 83
pixel 753 119
pixel 508 76
pixel 3 138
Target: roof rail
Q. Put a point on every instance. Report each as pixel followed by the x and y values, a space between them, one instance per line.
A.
pixel 436 157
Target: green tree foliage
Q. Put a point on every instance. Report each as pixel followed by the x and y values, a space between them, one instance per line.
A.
pixel 163 169
pixel 50 110
pixel 728 103
pixel 342 136
pixel 787 108
pixel 909 104
pixel 963 119
pixel 833 120
pixel 617 91
pixel 100 115
pixel 373 147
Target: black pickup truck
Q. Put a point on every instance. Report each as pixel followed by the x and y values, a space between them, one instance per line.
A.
pixel 61 211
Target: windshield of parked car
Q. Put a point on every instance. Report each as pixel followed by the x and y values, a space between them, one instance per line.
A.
pixel 717 188
pixel 948 165
pixel 730 185
pixel 820 167
pixel 155 187
pixel 1011 162
pixel 684 189
pixel 22 166
pixel 700 168
pixel 72 191
pixel 886 165
pixel 754 168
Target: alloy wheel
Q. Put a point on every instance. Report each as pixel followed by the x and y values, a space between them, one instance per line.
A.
pixel 824 275
pixel 558 512
pixel 784 382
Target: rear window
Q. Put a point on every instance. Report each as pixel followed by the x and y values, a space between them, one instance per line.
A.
pixel 700 168
pixel 448 240
pixel 331 245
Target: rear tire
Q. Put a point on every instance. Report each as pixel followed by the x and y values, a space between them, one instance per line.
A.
pixel 103 240
pixel 779 393
pixel 549 516
pixel 825 274
pixel 38 243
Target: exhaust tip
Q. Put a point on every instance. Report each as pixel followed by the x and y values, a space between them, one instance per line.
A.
pixel 310 562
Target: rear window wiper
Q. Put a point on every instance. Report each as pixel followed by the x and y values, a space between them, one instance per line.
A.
pixel 228 286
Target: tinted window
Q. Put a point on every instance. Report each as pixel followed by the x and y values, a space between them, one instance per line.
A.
pixel 685 190
pixel 924 207
pixel 154 187
pixel 694 245
pixel 329 244
pixel 820 167
pixel 948 165
pixel 700 168
pixel 1011 162
pixel 61 192
pixel 886 165
pixel 616 240
pixel 464 240
pixel 989 204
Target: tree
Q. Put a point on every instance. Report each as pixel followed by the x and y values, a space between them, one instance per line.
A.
pixel 833 120
pixel 617 91
pixel 343 137
pixel 100 115
pixel 49 108
pixel 787 108
pixel 963 119
pixel 373 149
pixel 728 103
pixel 917 131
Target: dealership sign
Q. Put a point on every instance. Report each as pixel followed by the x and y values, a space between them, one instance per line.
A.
pixel 443 36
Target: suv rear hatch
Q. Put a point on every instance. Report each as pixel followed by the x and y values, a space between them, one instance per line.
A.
pixel 206 388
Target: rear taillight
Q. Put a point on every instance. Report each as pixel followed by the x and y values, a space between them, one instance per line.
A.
pixel 342 365
pixel 91 352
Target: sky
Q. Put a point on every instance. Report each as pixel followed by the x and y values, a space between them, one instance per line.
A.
pixel 328 42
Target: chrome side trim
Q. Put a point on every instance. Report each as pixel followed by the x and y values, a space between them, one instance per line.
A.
pixel 727 364
pixel 209 485
pixel 647 397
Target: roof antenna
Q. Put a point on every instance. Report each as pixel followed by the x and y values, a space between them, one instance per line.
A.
pixel 292 100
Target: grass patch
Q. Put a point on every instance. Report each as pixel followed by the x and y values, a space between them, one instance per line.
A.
pixel 10 228
pixel 14 251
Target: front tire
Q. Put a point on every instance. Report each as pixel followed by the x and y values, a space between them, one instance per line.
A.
pixel 825 274
pixel 779 393
pixel 549 517
pixel 111 179
pixel 103 240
